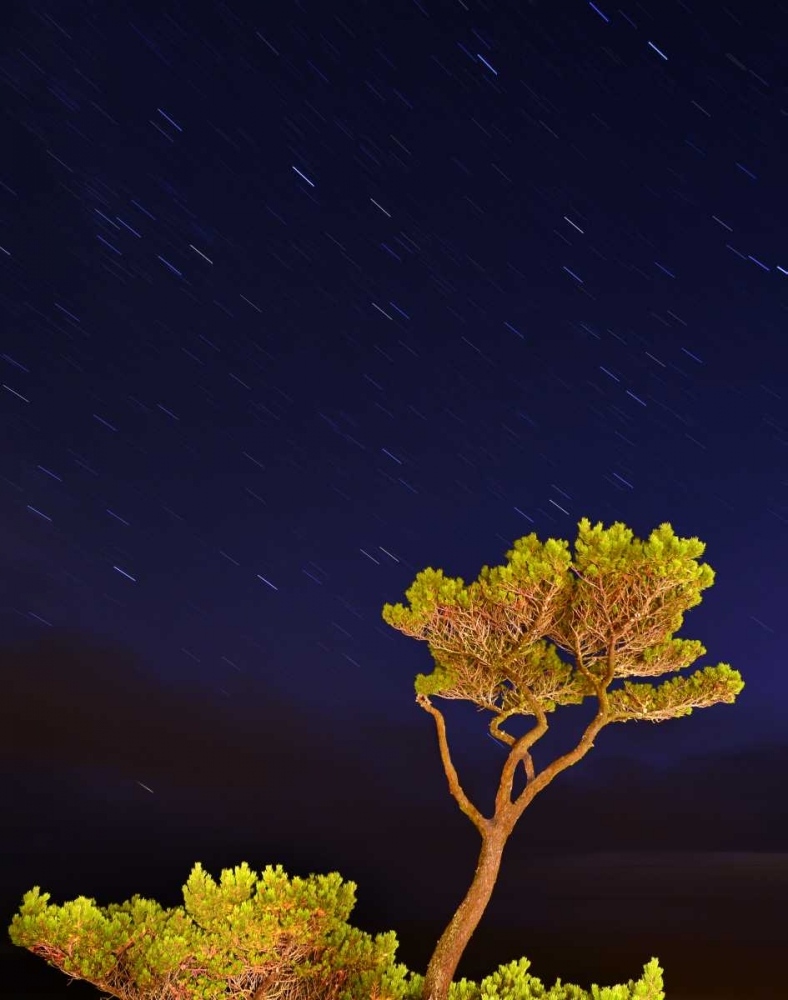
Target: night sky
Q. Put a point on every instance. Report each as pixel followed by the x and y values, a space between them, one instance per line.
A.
pixel 300 298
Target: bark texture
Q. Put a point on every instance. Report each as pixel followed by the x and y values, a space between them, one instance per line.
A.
pixel 450 947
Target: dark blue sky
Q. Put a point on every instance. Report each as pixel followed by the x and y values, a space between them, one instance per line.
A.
pixel 301 298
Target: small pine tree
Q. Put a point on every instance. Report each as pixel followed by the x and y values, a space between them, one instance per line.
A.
pixel 250 937
pixel 247 936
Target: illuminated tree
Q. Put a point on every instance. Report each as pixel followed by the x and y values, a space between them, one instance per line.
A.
pixel 250 937
pixel 551 628
pixel 247 937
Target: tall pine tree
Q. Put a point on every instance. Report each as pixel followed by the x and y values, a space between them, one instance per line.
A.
pixel 549 628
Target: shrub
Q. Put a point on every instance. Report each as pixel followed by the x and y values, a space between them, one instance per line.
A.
pixel 514 982
pixel 250 937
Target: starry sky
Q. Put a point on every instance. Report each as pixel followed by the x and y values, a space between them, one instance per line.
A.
pixel 301 298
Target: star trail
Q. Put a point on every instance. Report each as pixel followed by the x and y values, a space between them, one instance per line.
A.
pixel 301 298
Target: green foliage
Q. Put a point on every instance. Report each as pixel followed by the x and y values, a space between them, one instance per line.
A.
pixel 552 626
pixel 227 940
pixel 441 679
pixel 279 936
pixel 678 696
pixel 513 981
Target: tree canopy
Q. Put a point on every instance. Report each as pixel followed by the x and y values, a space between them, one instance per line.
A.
pixel 553 627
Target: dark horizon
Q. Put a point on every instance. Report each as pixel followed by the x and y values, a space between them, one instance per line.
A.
pixel 297 302
pixel 368 800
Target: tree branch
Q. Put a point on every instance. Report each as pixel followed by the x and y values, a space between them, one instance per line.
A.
pixel 586 742
pixel 608 678
pixel 520 751
pixel 580 662
pixel 497 732
pixel 509 740
pixel 676 697
pixel 543 779
pixel 465 804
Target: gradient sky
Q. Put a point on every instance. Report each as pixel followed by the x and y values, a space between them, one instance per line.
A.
pixel 299 299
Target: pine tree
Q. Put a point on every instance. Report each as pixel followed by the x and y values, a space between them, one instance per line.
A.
pixel 256 937
pixel 247 937
pixel 550 628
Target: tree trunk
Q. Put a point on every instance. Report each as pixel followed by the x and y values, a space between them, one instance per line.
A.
pixel 454 939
